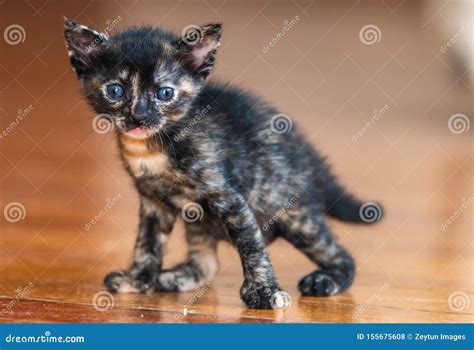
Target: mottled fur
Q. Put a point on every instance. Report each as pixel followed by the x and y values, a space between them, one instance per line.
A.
pixel 212 147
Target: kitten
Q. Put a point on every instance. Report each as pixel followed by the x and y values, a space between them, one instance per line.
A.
pixel 215 155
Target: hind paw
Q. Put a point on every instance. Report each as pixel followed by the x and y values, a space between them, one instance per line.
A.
pixel 318 283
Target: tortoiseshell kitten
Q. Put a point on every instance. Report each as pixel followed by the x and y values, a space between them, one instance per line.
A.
pixel 191 146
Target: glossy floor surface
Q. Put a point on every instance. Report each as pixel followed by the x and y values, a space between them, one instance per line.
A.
pixel 57 175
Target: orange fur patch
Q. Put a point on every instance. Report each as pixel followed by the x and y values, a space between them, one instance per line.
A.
pixel 144 154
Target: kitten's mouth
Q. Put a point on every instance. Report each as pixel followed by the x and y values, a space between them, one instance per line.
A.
pixel 140 132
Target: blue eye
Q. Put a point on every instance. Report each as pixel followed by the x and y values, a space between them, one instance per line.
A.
pixel 164 93
pixel 115 91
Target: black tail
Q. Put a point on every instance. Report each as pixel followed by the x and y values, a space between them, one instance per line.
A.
pixel 343 206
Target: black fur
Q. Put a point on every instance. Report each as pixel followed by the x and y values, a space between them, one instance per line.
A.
pixel 215 153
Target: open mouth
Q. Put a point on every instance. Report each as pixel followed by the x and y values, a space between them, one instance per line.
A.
pixel 140 131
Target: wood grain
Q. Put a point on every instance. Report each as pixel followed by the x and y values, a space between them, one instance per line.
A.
pixel 64 174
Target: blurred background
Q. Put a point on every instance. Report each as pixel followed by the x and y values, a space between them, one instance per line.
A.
pixel 383 88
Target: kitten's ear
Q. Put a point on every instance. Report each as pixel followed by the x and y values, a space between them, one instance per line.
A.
pixel 199 46
pixel 83 44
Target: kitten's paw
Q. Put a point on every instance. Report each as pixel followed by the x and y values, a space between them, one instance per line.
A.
pixel 318 283
pixel 181 279
pixel 129 281
pixel 258 296
pixel 119 282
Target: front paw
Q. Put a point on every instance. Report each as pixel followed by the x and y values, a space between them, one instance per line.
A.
pixel 120 282
pixel 182 278
pixel 260 296
pixel 131 281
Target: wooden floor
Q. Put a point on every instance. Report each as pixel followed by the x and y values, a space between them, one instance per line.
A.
pixel 61 175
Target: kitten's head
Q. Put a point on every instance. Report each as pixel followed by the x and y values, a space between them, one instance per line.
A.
pixel 145 79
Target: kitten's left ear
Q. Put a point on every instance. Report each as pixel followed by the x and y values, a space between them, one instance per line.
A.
pixel 199 46
pixel 83 45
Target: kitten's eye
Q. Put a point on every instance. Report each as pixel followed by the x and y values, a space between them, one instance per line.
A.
pixel 164 93
pixel 115 91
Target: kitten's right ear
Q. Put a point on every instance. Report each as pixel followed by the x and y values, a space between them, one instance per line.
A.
pixel 83 44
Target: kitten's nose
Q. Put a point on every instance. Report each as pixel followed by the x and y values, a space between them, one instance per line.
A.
pixel 141 109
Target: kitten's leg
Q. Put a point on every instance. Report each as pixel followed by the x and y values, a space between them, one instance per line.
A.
pixel 310 234
pixel 155 226
pixel 201 265
pixel 260 289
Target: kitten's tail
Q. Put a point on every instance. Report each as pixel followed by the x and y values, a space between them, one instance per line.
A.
pixel 343 206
